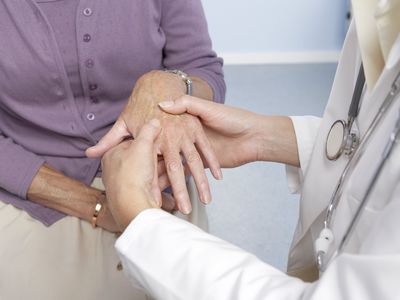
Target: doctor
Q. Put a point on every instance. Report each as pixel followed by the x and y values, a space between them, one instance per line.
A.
pixel 346 166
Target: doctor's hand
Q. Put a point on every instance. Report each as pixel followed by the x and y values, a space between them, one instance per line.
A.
pixel 182 140
pixel 130 175
pixel 239 136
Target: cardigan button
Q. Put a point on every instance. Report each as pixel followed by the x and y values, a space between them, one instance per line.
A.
pixel 87 12
pixel 87 37
pixel 90 116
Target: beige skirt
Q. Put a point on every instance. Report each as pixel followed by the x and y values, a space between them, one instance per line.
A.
pixel 68 260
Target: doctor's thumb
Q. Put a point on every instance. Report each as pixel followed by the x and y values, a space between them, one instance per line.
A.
pixel 172 107
pixel 181 105
pixel 191 105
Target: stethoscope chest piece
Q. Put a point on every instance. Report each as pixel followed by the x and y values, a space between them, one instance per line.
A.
pixel 340 140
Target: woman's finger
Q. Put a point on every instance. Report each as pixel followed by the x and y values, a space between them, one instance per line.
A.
pixel 176 176
pixel 193 160
pixel 113 137
pixel 204 146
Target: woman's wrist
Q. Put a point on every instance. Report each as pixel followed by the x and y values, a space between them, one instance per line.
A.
pixel 163 81
pixel 98 209
pixel 100 214
pixel 83 203
pixel 200 87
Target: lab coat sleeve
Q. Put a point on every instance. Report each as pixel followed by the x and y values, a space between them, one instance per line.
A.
pixel 306 129
pixel 173 259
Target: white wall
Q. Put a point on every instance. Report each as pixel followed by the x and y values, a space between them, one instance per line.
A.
pixel 251 31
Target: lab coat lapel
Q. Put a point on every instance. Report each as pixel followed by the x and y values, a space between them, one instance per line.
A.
pixel 321 175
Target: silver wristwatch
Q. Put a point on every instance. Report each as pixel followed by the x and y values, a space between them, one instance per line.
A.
pixel 186 79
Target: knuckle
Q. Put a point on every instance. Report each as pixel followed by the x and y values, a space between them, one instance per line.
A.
pixel 174 165
pixel 192 157
pixel 180 194
pixel 170 133
pixel 193 123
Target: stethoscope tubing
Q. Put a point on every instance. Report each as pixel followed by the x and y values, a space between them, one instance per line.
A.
pixel 394 139
pixel 357 154
pixel 360 150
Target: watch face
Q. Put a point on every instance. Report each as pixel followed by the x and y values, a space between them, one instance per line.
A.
pixel 335 140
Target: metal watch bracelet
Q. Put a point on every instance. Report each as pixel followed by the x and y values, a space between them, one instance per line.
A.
pixel 186 79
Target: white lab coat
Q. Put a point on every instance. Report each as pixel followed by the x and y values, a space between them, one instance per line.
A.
pixel 173 259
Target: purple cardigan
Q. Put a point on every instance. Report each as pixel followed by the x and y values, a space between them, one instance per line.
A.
pixel 41 120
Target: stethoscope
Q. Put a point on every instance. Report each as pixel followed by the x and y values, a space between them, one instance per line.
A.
pixel 325 240
pixel 341 139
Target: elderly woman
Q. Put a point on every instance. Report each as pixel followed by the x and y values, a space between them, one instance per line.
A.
pixel 67 70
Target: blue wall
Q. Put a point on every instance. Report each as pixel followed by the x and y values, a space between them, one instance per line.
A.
pixel 241 26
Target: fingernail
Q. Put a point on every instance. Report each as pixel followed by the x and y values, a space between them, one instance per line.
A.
pixel 158 201
pixel 219 174
pixel 206 198
pixel 205 195
pixel 186 208
pixel 166 104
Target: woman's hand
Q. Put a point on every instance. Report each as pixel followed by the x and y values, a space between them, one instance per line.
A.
pixel 182 137
pixel 232 131
pixel 239 136
pixel 130 175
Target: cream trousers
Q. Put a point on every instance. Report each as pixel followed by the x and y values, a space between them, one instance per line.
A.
pixel 68 260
